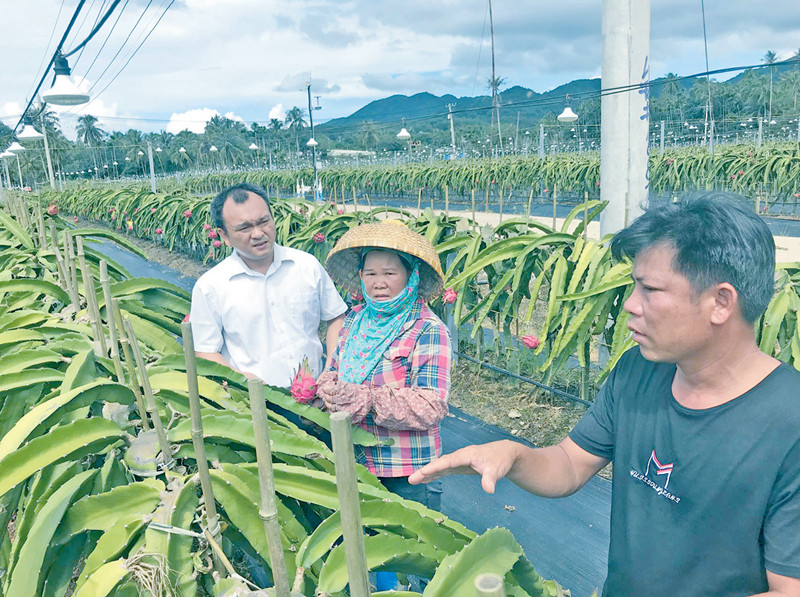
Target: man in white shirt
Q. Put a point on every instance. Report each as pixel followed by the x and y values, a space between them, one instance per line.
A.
pixel 259 310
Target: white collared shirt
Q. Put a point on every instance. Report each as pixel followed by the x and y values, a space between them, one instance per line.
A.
pixel 265 323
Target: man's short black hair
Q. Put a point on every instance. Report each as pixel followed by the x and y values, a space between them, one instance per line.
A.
pixel 238 193
pixel 717 238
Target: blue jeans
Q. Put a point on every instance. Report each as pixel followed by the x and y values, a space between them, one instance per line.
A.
pixel 428 494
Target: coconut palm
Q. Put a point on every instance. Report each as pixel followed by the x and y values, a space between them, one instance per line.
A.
pixel 90 134
pixel 88 131
pixel 789 88
pixel 296 120
pixel 368 134
pixel 494 83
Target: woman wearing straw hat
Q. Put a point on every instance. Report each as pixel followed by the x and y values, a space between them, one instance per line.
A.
pixel 391 368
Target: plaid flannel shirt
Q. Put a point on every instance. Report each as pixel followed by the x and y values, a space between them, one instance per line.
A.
pixel 419 357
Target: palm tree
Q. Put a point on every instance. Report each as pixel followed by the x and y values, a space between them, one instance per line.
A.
pixel 90 134
pixel 368 134
pixel 789 86
pixel 88 131
pixel 770 58
pixel 296 120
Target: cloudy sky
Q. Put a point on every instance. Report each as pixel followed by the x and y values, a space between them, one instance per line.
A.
pixel 250 59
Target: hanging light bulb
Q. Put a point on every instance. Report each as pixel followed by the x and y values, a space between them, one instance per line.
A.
pixel 28 133
pixel 64 92
pixel 567 115
pixel 312 142
pixel 15 147
pixel 403 134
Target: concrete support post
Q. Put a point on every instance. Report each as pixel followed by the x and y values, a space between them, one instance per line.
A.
pixel 624 129
pixel 760 132
pixel 152 169
pixel 541 141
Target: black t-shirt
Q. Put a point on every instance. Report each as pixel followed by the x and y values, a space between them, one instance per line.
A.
pixel 703 501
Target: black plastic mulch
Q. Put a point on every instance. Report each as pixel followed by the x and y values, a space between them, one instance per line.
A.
pixel 566 539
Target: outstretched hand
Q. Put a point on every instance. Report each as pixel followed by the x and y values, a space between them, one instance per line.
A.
pixel 491 461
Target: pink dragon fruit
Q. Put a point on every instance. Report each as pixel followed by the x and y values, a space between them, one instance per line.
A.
pixel 304 385
pixel 530 341
pixel 449 296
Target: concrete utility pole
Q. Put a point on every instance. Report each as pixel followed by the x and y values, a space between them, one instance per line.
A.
pixel 313 145
pixel 152 169
pixel 47 154
pixel 541 141
pixel 624 127
pixel 452 129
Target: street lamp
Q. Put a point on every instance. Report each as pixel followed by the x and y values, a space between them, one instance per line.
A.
pixel 4 156
pixel 313 145
pixel 28 133
pixel 64 92
pixel 14 149
pixel 567 115
pixel 404 135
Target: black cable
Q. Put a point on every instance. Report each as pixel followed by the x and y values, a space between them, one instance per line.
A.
pixel 105 41
pixel 77 60
pixel 76 34
pixel 135 51
pixel 95 30
pixel 49 41
pixel 557 101
pixel 127 39
pixel 52 60
pixel 538 384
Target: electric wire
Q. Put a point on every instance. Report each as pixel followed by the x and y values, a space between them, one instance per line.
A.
pixel 80 27
pixel 49 41
pixel 705 46
pixel 480 49
pixel 124 43
pixel 77 60
pixel 52 60
pixel 108 36
pixel 98 94
pixel 95 29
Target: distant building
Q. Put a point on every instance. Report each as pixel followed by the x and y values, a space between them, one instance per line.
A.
pixel 350 153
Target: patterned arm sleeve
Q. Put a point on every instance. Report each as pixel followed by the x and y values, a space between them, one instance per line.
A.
pixel 342 396
pixel 424 404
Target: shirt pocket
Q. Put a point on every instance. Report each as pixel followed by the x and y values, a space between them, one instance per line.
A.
pixel 398 373
pixel 303 308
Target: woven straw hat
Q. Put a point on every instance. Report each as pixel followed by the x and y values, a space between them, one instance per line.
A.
pixel 344 258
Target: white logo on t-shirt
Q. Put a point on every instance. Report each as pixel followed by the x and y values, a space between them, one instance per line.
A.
pixel 659 469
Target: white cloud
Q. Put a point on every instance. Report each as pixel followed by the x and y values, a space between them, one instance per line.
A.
pixel 243 56
pixel 232 116
pixel 277 111
pixel 192 120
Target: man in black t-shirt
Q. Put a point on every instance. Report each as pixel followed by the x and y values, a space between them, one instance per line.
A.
pixel 702 427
